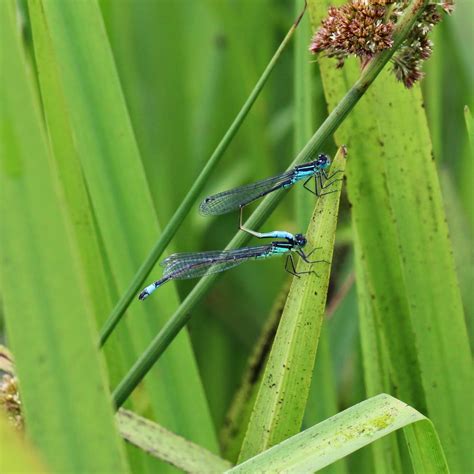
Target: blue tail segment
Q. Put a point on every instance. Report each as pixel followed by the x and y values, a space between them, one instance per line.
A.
pixel 151 288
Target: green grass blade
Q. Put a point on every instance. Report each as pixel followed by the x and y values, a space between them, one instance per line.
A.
pixel 335 118
pixel 188 202
pixel 424 243
pixel 347 432
pixel 49 324
pixel 422 440
pixel 385 453
pixel 419 242
pixel 72 186
pixel 118 190
pixel 281 400
pixel 165 445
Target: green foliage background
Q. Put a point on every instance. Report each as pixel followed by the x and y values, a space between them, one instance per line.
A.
pixel 110 110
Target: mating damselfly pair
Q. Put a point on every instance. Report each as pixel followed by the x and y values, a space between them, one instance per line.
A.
pixel 193 265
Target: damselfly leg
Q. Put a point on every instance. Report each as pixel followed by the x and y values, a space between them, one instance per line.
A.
pixel 305 256
pixel 318 183
pixel 327 183
pixel 292 271
pixel 244 229
pixel 259 235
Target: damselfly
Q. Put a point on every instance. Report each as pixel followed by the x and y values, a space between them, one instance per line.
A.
pixel 180 266
pixel 236 198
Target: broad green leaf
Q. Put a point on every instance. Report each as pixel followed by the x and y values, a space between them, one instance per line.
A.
pixel 17 456
pixel 49 322
pixel 117 187
pixel 167 446
pixel 386 453
pixel 281 400
pixel 348 431
pixel 399 220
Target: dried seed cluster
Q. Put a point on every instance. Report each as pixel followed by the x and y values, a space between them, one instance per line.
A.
pixel 365 27
pixel 10 400
pixel 408 60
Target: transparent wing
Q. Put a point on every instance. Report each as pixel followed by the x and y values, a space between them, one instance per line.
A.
pixel 227 201
pixel 190 257
pixel 193 265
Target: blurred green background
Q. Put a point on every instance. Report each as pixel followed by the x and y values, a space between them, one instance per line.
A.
pixel 185 69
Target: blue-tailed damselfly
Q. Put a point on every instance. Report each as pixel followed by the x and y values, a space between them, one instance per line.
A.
pixel 180 266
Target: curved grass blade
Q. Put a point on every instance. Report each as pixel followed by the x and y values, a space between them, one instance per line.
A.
pixel 183 210
pixel 167 446
pixel 348 431
pixel 335 118
pixel 279 409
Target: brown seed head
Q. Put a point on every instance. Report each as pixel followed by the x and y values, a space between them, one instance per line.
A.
pixel 365 27
pixel 358 28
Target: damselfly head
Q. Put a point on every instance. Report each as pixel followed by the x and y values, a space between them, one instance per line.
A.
pixel 300 240
pixel 323 161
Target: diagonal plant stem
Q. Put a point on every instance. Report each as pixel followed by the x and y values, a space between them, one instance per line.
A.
pixel 183 210
pixel 263 211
